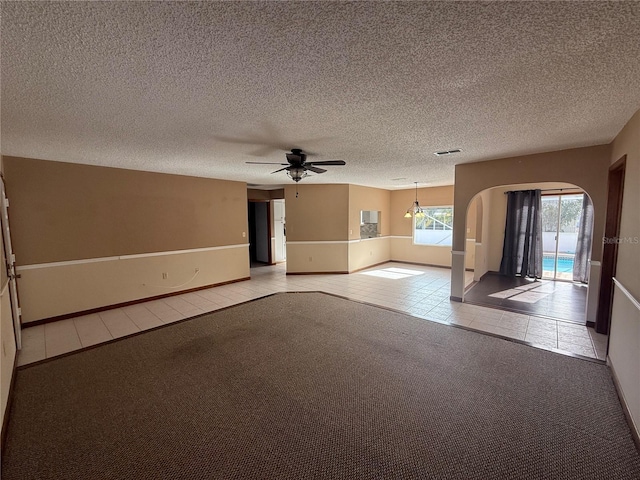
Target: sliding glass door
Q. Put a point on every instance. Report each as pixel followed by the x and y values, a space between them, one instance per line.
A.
pixel 560 222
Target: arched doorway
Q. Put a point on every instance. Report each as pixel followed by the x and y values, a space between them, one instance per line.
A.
pixel 554 293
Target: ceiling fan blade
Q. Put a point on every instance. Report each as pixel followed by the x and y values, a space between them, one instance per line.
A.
pixel 314 169
pixel 285 168
pixel 327 162
pixel 266 163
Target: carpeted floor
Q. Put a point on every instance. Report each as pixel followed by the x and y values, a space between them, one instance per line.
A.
pixel 308 385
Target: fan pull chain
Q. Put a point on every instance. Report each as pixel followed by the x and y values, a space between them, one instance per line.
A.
pixel 296 190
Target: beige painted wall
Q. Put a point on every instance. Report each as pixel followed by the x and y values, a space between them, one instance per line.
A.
pixel 369 251
pixel 366 252
pixel 367 198
pixel 404 250
pixel 483 234
pixel 585 167
pixel 58 289
pixel 65 211
pixel 402 246
pixel 624 339
pixel 75 228
pixel 321 257
pixel 401 200
pixel 628 267
pixel 319 214
pixel 325 235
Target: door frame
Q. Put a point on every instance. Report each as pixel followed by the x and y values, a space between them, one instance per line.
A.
pixel 10 265
pixel 615 193
pixel 558 226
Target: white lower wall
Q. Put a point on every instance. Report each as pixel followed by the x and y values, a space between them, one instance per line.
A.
pixel 53 289
pixel 8 347
pixel 624 349
pixel 339 256
pixel 470 254
pixel 404 250
pixel 593 291
pixel 318 257
pixel 369 251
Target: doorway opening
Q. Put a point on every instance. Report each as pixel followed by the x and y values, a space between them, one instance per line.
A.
pixel 560 228
pixel 610 251
pixel 259 233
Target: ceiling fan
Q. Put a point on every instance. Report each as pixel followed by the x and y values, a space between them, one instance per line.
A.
pixel 298 166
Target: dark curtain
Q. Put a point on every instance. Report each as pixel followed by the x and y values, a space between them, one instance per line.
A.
pixel 522 249
pixel 583 247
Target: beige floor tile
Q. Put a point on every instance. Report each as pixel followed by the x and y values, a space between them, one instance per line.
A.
pixel 486 327
pixel 61 337
pixel 119 325
pixel 578 349
pixel 145 320
pixel 574 330
pixel 170 316
pixel 575 339
pixel 459 320
pixel 424 296
pixel 550 341
pixel 158 306
pixel 91 330
pixel 33 345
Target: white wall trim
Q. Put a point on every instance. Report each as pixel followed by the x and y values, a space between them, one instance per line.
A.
pixel 402 236
pixel 125 257
pixel 627 293
pixel 367 239
pixel 335 242
pixel 457 252
pixel 323 242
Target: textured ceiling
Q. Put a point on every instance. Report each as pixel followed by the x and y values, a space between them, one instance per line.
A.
pixel 160 86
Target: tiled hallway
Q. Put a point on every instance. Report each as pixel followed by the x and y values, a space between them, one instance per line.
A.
pixel 417 290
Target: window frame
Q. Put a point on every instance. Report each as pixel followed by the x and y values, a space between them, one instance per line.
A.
pixel 414 230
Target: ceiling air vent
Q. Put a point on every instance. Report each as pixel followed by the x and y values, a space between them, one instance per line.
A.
pixel 448 152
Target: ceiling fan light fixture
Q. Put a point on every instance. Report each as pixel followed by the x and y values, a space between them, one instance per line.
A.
pixel 296 173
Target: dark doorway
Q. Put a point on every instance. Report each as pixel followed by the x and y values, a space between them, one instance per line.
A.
pixel 259 233
pixel 610 251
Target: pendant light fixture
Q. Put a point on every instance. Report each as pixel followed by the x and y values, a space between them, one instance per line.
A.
pixel 415 209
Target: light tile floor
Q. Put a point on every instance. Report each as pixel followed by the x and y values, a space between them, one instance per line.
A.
pixel 417 290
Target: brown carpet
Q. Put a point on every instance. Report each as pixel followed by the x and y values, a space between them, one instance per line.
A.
pixel 307 385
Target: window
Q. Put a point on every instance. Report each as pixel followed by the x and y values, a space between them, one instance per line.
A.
pixel 435 227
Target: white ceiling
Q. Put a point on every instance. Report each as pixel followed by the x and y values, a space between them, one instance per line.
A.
pixel 158 86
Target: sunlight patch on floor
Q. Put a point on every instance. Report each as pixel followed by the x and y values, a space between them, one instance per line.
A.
pixel 392 273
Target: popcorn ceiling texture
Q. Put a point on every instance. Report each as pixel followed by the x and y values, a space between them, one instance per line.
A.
pixel 382 85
